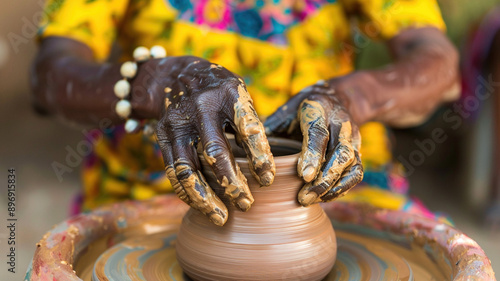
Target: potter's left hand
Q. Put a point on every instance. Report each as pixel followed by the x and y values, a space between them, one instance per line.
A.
pixel 330 162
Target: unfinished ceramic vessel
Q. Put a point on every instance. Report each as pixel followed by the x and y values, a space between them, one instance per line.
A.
pixel 277 239
pixel 135 240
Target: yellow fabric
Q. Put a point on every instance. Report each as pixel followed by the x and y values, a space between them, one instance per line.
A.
pixel 374 144
pixel 377 197
pixel 122 171
pixel 92 22
pixel 273 72
pixel 383 19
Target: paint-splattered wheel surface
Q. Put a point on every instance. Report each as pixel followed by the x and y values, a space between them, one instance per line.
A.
pixel 135 241
pixel 359 258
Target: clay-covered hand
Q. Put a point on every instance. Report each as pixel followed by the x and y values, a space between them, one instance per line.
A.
pixel 329 162
pixel 199 99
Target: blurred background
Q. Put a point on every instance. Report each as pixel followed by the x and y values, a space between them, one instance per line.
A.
pixel 458 178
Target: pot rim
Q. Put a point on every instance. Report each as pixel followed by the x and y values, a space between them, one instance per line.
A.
pixel 285 165
pixel 279 161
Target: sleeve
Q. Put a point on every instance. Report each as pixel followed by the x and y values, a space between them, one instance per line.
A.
pixel 92 22
pixel 383 19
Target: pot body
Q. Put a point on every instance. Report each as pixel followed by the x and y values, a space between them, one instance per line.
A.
pixel 277 239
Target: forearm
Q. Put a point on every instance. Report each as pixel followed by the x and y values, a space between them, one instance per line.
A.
pixel 424 74
pixel 66 81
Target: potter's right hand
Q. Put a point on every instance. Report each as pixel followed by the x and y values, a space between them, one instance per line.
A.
pixel 198 99
pixel 330 162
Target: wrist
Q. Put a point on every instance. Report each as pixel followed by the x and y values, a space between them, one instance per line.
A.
pixel 145 93
pixel 153 82
pixel 357 93
pixel 136 94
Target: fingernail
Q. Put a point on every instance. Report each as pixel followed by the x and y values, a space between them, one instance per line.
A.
pixel 217 219
pixel 308 199
pixel 266 178
pixel 308 173
pixel 244 204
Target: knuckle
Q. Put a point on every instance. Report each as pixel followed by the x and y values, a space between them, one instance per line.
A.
pixel 201 102
pixel 170 171
pixel 163 144
pixel 253 128
pixel 178 189
pixel 249 125
pixel 315 95
pixel 318 130
pixel 161 132
pixel 341 190
pixel 358 174
pixel 183 171
pixel 231 83
pixel 319 88
pixel 316 149
pixel 166 125
pixel 258 162
pixel 181 194
pixel 321 188
pixel 344 154
pixel 215 149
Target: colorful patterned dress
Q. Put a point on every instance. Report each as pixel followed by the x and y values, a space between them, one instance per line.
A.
pixel 277 46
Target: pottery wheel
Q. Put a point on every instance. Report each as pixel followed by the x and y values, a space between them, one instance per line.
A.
pixel 359 257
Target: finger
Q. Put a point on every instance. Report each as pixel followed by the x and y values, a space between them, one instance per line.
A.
pixel 347 182
pixel 217 152
pixel 251 132
pixel 201 196
pixel 284 119
pixel 166 150
pixel 337 161
pixel 313 125
pixel 356 138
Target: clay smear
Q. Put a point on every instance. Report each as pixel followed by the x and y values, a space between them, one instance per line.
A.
pixel 201 196
pixel 179 190
pixel 310 160
pixel 167 103
pixel 237 190
pixel 253 135
pixel 343 157
pixel 210 159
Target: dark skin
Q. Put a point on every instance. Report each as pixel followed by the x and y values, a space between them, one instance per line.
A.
pixel 194 100
pixel 424 74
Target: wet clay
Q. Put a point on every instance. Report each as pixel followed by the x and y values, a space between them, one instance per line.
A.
pixel 135 240
pixel 373 244
pixel 277 239
pixel 252 134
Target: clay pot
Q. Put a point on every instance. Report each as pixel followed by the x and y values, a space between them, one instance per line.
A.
pixel 277 239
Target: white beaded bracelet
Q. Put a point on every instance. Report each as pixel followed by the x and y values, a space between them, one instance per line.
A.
pixel 122 88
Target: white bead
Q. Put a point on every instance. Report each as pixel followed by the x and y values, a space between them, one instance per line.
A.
pixel 131 126
pixel 122 89
pixel 148 130
pixel 128 69
pixel 141 53
pixel 123 108
pixel 158 52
